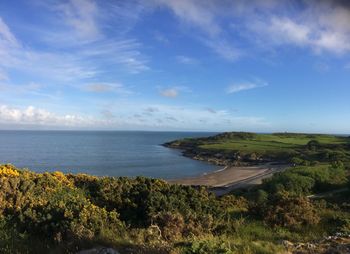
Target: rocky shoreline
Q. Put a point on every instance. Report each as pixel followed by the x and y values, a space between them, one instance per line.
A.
pixel 219 158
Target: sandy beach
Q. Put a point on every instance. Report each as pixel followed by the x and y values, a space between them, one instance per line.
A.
pixel 229 176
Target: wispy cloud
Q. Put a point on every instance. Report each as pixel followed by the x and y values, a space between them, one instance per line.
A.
pixel 197 13
pixel 31 88
pixel 125 52
pixel 308 34
pixel 204 15
pixel 177 117
pixel 223 48
pixel 186 60
pixel 3 75
pixel 81 15
pixel 168 117
pixel 6 35
pixel 79 53
pixel 321 26
pixel 238 87
pixel 107 88
pixel 8 45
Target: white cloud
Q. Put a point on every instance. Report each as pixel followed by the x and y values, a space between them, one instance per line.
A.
pixel 33 116
pixel 235 88
pixel 304 34
pixel 320 26
pixel 170 92
pixel 288 31
pixel 133 116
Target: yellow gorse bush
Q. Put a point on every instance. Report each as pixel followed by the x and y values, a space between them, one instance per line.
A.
pixel 8 170
pixel 62 178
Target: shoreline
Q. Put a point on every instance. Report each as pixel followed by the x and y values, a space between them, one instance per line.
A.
pixel 230 177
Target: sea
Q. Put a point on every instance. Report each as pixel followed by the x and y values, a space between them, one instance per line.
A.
pixel 101 153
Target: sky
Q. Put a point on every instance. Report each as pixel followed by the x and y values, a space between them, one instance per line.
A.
pixel 175 65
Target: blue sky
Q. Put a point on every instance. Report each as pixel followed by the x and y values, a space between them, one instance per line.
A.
pixel 204 65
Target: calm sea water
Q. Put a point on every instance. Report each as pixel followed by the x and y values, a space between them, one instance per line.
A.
pixel 119 153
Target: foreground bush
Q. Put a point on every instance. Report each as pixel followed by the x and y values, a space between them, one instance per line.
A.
pixel 69 209
pixel 287 210
pixel 50 205
pixel 62 213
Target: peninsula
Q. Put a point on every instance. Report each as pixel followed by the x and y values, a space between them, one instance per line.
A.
pixel 248 158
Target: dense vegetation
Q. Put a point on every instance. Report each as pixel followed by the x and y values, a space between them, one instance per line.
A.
pixel 64 213
pixel 250 148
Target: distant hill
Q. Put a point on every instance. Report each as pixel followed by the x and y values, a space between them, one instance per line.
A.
pixel 243 148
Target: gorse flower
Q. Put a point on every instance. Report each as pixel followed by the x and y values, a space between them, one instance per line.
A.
pixel 8 170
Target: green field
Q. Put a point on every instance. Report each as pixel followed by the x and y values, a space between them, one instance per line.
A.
pixel 274 142
pixel 277 146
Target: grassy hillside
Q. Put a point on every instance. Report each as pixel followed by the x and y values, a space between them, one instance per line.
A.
pixel 237 147
pixel 58 213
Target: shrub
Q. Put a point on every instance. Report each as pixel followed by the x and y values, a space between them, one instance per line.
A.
pixel 171 225
pixel 284 209
pixel 8 170
pixel 289 181
pixel 313 145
